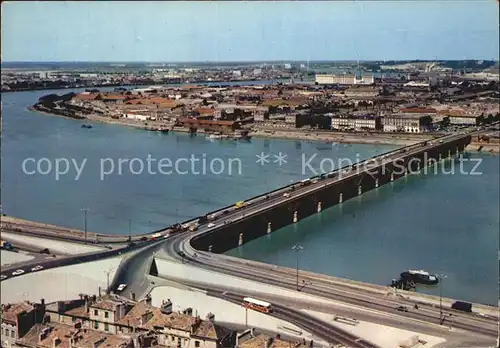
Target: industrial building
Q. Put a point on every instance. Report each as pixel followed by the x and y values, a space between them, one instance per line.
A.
pixel 330 79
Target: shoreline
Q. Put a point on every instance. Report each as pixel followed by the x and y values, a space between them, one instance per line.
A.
pixel 325 137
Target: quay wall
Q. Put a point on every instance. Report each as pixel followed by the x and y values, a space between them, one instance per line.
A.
pixel 259 224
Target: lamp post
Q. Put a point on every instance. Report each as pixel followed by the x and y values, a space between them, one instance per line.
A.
pixel 107 273
pixel 441 277
pixel 85 210
pixel 297 248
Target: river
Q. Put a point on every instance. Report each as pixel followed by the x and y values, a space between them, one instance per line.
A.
pixel 442 223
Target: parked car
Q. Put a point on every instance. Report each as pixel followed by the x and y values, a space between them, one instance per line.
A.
pixel 18 272
pixel 36 268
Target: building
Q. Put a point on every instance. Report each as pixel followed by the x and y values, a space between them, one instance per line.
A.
pixel 356 122
pixel 113 315
pixel 18 319
pixel 330 79
pixel 361 92
pixel 53 335
pixel 209 125
pixel 465 120
pixel 296 120
pixel 407 122
pixel 265 341
pixel 133 115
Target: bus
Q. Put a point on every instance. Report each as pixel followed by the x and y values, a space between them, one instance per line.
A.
pixel 257 305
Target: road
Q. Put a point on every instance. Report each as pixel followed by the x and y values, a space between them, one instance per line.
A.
pixel 22 268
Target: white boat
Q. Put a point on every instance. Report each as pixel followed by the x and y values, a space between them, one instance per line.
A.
pixel 214 136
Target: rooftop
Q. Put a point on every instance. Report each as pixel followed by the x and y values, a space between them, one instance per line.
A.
pixel 47 335
pixel 261 340
pixel 9 312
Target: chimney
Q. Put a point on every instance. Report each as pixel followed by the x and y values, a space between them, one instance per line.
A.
pixel 149 301
pixel 146 317
pixel 188 311
pixel 42 302
pixel 211 317
pixel 98 342
pixel 195 325
pixel 166 307
pixel 86 304
pixel 55 342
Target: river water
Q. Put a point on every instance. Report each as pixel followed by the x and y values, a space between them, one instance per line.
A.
pixel 443 223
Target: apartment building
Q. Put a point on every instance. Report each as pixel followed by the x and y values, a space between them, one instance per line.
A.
pixel 112 314
pixel 356 122
pixel 407 122
pixel 17 320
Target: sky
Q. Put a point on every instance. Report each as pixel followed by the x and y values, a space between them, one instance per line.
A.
pixel 249 31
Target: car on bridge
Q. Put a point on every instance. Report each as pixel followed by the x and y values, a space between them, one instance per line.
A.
pixel 36 268
pixel 402 309
pixel 210 225
pixel 3 276
pixel 18 272
pixel 121 287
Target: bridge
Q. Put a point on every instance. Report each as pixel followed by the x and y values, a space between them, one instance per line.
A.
pixel 231 227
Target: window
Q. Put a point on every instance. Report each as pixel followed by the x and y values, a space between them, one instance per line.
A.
pixel 106 327
pixel 197 344
pixel 106 314
pixel 96 325
pixel 13 333
pixel 96 312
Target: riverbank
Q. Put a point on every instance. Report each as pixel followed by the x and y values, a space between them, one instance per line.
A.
pixel 399 139
pixel 353 138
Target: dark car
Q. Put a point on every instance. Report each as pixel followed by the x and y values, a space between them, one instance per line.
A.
pixel 45 251
pixel 402 309
pixel 144 238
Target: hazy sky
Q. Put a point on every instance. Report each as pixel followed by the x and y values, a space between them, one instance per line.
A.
pixel 238 31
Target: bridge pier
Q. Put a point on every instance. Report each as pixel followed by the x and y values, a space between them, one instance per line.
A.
pixel 340 198
pixel 269 227
pixel 295 218
pixel 376 182
pixel 240 240
pixel 319 207
pixel 210 248
pixel 449 153
pixel 392 176
pixel 360 190
pixel 440 157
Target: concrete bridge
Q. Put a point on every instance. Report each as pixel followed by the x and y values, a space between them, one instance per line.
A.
pixel 273 210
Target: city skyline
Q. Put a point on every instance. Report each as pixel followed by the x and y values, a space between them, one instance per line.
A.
pixel 278 31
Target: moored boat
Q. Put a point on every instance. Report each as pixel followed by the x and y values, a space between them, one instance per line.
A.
pixel 420 276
